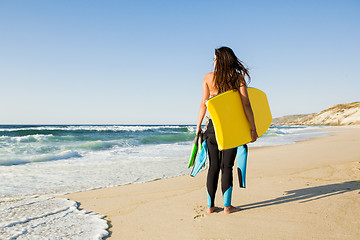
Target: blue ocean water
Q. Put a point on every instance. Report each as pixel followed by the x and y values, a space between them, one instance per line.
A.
pixel 40 160
pixel 23 144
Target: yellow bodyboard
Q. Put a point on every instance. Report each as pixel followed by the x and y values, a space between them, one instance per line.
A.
pixel 232 128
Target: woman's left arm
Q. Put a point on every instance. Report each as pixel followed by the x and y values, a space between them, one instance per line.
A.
pixel 202 110
pixel 248 111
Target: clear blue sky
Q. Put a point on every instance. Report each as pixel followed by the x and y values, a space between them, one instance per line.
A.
pixel 142 62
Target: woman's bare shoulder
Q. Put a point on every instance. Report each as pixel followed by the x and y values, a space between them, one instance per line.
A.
pixel 209 76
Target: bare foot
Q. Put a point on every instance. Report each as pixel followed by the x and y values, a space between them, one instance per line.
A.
pixel 230 209
pixel 211 210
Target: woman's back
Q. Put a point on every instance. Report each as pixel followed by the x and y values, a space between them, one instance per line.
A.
pixel 210 83
pixel 209 80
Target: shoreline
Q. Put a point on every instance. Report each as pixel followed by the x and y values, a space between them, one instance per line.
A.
pixel 158 179
pixel 325 129
pixel 134 210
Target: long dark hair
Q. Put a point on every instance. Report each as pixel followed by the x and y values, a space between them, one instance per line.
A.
pixel 229 72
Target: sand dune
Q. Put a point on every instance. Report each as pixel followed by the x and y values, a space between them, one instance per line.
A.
pixel 341 114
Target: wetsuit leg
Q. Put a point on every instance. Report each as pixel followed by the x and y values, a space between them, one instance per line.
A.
pixel 214 164
pixel 242 152
pixel 227 162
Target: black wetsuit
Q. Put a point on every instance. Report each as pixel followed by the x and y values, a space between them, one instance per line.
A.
pixel 219 160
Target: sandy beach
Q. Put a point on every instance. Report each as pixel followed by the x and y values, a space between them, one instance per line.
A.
pixel 307 190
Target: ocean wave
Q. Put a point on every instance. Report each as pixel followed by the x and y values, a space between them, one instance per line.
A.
pixel 168 138
pixel 286 130
pixel 26 138
pixel 19 160
pixel 46 138
pixel 95 145
pixel 108 136
pixel 100 128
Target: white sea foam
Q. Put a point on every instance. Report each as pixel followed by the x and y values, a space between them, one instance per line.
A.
pixel 27 138
pixel 280 135
pixel 96 169
pixel 47 218
pixel 54 219
pixel 14 159
pixel 129 128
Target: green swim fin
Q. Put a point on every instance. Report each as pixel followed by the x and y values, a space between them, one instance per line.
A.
pixel 195 149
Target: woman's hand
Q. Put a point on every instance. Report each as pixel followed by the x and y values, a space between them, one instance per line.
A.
pixel 198 129
pixel 254 135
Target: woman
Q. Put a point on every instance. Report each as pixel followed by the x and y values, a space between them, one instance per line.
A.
pixel 229 73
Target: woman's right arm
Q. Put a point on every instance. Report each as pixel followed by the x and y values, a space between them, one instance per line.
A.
pixel 202 110
pixel 248 111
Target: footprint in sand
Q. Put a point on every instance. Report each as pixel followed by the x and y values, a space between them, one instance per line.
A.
pixel 199 211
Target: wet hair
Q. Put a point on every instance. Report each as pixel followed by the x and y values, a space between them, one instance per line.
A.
pixel 229 72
